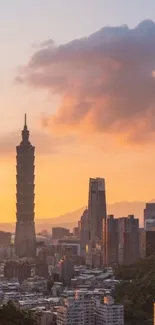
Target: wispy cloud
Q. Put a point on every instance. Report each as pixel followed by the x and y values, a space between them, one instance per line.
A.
pixel 46 144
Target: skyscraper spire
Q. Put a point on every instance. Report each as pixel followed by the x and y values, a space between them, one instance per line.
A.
pixel 25 132
pixel 25 121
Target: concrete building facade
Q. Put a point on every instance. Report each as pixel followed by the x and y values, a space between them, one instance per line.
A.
pixel 79 310
pixel 109 313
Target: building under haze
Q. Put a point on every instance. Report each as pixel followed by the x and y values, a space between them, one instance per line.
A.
pixel 128 240
pixel 111 239
pixel 25 239
pixel 96 209
pixel 142 244
pixel 149 212
pixel 5 238
pixel 59 232
pixel 84 232
pixel 149 237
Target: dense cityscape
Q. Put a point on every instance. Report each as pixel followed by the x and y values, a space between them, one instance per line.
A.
pixel 77 194
pixel 64 276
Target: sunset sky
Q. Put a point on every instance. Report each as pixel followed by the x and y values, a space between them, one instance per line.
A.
pixel 89 93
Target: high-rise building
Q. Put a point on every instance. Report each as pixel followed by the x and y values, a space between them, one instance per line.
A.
pixel 111 225
pixel 149 237
pixel 25 239
pixel 128 240
pixel 78 310
pixel 66 268
pixel 96 208
pixel 20 269
pixel 150 243
pixel 150 225
pixel 5 238
pixel 84 232
pixel 59 232
pixel 142 245
pixel 76 232
pixel 109 313
pixel 149 212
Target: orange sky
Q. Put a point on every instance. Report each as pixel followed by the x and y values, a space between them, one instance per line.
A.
pixel 62 179
pixel 89 98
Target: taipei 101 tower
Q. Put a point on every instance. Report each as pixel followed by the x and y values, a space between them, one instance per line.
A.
pixel 25 239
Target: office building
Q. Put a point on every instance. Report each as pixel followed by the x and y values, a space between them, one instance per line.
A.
pixel 25 239
pixel 111 225
pixel 149 237
pixel 96 209
pixel 44 317
pixel 66 268
pixel 71 244
pixel 109 313
pixel 84 232
pixel 149 212
pixel 150 243
pixel 94 258
pixel 79 310
pixel 150 225
pixel 59 232
pixel 41 265
pixel 76 232
pixel 142 244
pixel 7 252
pixel 5 238
pixel 128 240
pixel 20 270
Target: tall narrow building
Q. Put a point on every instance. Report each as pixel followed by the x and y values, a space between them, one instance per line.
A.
pixel 25 240
pixel 84 232
pixel 149 212
pixel 111 245
pixel 128 240
pixel 96 209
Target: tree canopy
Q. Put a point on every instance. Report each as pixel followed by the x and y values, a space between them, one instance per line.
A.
pixel 10 315
pixel 137 291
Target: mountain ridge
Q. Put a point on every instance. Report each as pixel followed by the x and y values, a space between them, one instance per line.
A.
pixel 70 219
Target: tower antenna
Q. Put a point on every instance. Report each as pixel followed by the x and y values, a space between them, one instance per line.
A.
pixel 25 120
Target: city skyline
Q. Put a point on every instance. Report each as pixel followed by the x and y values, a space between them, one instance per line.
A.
pixel 67 133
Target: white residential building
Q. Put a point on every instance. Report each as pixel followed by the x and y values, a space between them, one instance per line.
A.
pixel 79 310
pixel 109 313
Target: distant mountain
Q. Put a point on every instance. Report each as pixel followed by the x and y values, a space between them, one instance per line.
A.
pixel 70 220
pixel 70 217
pixel 119 209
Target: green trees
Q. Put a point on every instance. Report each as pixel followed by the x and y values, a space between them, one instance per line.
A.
pixel 137 291
pixel 10 315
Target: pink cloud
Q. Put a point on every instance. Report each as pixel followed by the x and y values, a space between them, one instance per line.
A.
pixel 106 82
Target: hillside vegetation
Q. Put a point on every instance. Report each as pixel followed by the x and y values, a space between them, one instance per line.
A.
pixel 137 291
pixel 9 315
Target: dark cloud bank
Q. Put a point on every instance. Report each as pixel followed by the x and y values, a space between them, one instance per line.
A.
pixel 107 81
